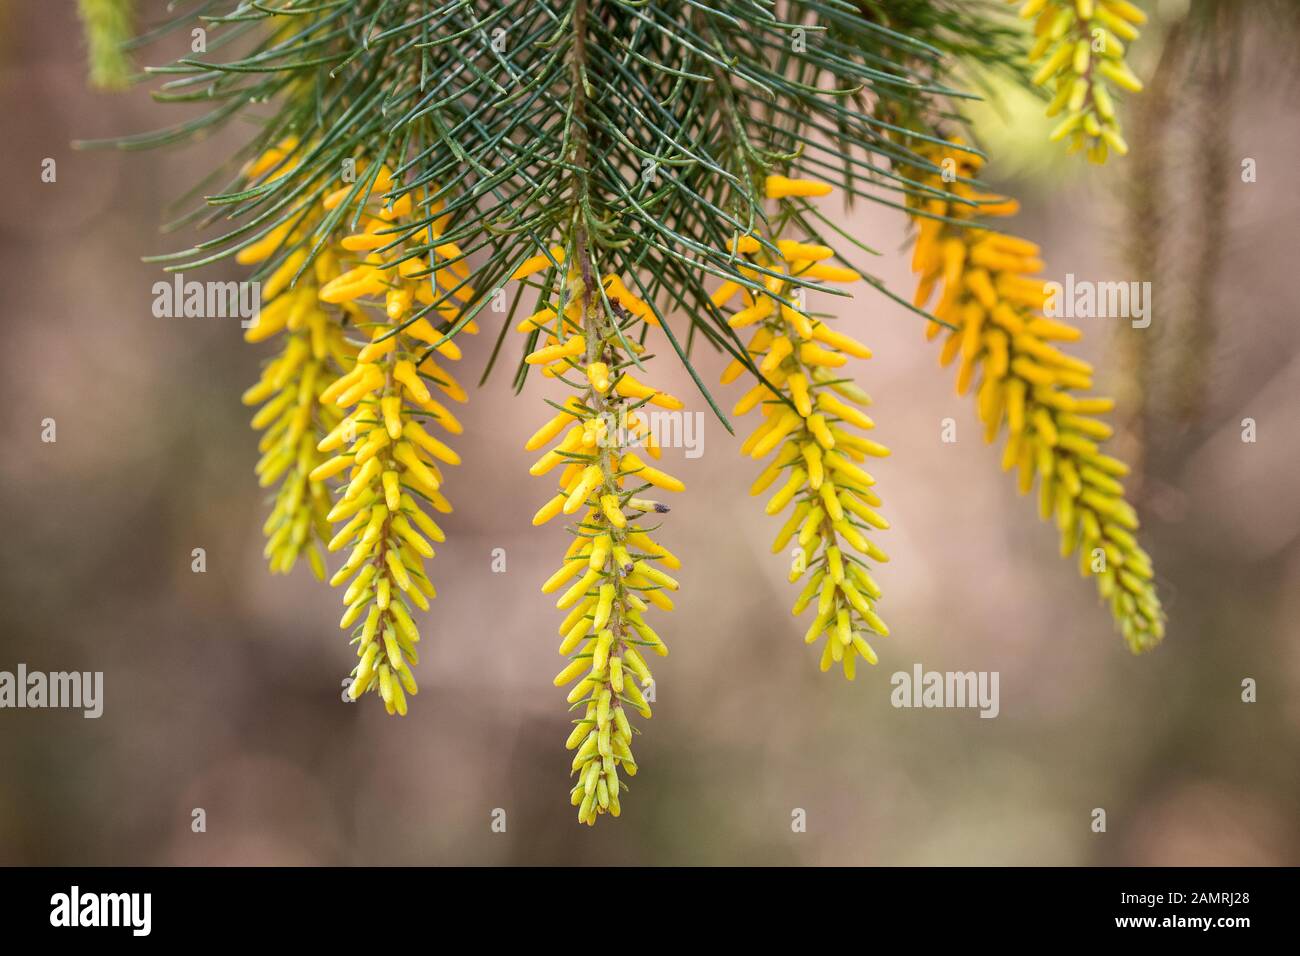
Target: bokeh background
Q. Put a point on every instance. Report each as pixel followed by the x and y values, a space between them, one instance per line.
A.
pixel 222 688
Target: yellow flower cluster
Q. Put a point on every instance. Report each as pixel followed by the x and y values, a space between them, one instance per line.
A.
pixel 613 571
pixel 1079 47
pixel 291 416
pixel 1008 352
pixel 382 447
pixel 811 416
pixel 293 419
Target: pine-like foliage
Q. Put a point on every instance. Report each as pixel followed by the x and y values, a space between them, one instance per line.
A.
pixel 631 176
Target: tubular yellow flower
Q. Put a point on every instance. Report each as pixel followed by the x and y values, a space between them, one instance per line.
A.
pixel 391 463
pixel 811 418
pixel 1079 48
pixel 609 577
pixel 1008 352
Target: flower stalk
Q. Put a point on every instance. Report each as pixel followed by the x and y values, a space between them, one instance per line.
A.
pixel 1009 353
pixel 811 415
pixel 613 571
pixel 292 416
pixel 392 462
pixel 1079 47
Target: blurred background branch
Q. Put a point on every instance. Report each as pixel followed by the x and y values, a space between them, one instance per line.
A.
pixel 109 26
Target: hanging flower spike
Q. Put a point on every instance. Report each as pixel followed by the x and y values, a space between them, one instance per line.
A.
pixel 609 577
pixel 292 417
pixel 1023 380
pixel 390 459
pixel 1079 46
pixel 810 412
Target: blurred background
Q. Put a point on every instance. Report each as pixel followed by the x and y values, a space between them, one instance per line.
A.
pixel 222 689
